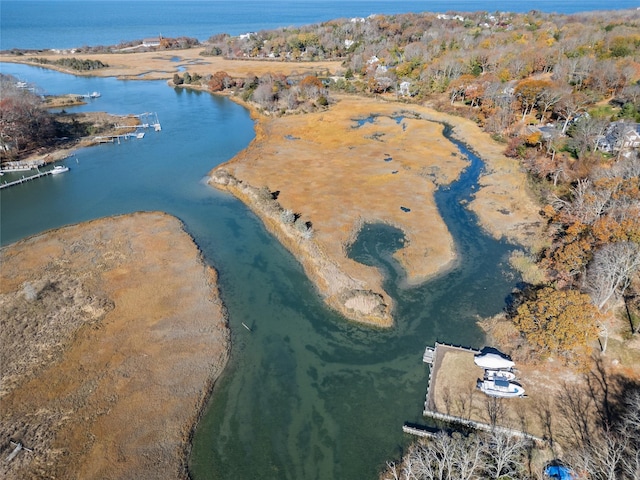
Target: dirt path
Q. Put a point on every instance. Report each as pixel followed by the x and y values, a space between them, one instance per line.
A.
pixel 112 335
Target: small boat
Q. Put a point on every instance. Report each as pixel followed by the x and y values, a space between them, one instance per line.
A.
pixel 59 169
pixel 500 388
pixel 499 374
pixel 94 95
pixel 493 361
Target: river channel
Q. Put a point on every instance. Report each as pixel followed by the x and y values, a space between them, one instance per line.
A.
pixel 307 394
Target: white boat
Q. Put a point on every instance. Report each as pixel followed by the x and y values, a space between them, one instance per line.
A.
pixel 94 95
pixel 500 388
pixel 58 169
pixel 492 361
pixel 499 374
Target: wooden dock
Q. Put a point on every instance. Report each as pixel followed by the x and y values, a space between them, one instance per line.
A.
pixel 25 179
pixel 451 401
pixel 418 431
pixel 118 138
pixel 486 427
pixel 435 356
pixel 10 167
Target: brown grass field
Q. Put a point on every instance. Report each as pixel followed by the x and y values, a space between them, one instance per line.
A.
pixel 112 337
pixel 162 65
pixel 339 175
pixel 91 402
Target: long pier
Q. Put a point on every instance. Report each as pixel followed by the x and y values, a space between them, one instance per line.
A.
pixel 117 138
pixel 25 179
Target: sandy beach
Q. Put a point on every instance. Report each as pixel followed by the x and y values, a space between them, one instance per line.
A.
pixel 112 335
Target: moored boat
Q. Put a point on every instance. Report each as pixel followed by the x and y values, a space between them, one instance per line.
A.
pixel 493 361
pixel 59 169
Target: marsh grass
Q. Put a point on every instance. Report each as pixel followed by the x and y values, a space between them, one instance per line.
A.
pixel 526 265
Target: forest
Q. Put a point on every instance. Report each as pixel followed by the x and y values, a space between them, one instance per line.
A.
pixel 28 127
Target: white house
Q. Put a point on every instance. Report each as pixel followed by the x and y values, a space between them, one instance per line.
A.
pixel 620 136
pixel 151 42
pixel 404 88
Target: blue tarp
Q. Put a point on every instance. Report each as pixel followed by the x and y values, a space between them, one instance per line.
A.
pixel 558 471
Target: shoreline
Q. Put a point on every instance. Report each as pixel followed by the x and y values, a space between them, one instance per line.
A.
pixel 161 65
pixel 102 121
pixel 361 297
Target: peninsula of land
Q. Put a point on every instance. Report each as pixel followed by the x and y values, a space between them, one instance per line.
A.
pixel 363 161
pixel 112 336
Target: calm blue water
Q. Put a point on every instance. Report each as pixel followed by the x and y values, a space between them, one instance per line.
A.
pixel 306 395
pixel 40 24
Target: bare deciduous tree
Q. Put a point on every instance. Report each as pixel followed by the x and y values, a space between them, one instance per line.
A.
pixel 611 270
pixel 504 455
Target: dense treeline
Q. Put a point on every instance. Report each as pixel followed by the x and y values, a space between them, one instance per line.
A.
pixel 26 125
pixel 81 65
pixel 272 93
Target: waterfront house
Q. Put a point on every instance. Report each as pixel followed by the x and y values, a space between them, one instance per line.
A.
pixel 151 42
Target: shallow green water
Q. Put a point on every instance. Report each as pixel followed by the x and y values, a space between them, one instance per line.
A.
pixel 307 395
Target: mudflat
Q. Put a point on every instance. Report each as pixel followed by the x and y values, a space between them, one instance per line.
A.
pixel 112 336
